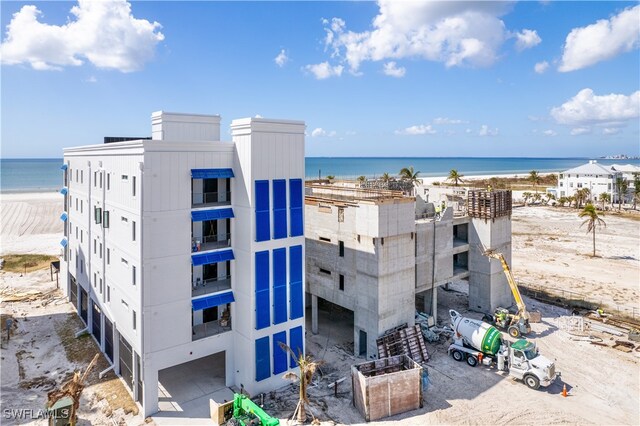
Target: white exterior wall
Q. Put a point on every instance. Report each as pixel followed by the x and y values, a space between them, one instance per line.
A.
pixel 265 150
pixel 569 183
pixel 161 252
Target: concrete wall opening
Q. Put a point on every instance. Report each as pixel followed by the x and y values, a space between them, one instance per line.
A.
pixel 460 234
pixel 188 387
pixel 333 321
pixel 460 263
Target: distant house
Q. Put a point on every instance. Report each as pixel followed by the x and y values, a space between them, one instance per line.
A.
pixel 595 177
pixel 628 171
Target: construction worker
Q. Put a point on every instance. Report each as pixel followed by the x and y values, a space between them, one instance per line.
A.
pixel 444 206
pixel 489 188
pixel 437 211
pixel 501 318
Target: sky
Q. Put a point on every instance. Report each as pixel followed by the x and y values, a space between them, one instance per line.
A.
pixel 386 78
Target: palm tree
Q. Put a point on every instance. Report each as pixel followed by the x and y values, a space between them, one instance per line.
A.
pixel 592 221
pixel 331 177
pixel 385 177
pixel 537 197
pixel 455 177
pixel 571 200
pixel 549 197
pixel 362 179
pixel 535 179
pixel 308 368
pixel 526 196
pixel 622 185
pixel 580 197
pixel 562 201
pixel 409 175
pixel 604 197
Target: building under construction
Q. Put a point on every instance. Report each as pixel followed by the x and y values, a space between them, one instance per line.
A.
pixel 376 254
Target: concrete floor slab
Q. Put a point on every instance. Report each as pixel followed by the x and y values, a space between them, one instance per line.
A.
pixel 184 391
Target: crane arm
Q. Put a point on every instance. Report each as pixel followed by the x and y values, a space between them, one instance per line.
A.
pixel 522 309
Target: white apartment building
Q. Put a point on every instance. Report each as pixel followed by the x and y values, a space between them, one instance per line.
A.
pixel 593 176
pixel 181 246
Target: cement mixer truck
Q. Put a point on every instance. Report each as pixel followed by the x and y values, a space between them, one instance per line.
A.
pixel 476 342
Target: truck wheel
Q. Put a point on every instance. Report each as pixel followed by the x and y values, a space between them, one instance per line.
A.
pixel 514 332
pixel 532 381
pixel 472 360
pixel 487 318
pixel 457 355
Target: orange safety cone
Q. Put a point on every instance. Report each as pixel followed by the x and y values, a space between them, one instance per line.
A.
pixel 564 391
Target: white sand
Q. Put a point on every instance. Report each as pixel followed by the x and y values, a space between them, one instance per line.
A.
pixel 30 223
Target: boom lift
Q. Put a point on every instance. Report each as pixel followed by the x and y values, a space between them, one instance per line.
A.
pixel 515 324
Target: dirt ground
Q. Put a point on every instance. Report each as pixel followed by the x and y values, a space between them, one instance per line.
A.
pixel 551 249
pixel 42 352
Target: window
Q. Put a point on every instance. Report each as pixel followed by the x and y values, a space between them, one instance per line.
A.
pixel 100 180
pixel 81 176
pixel 561 184
pixel 341 282
pixel 108 256
pixel 325 271
pixel 325 239
pixel 95 179
pixel 76 176
pixel 81 236
pixel 82 267
pixel 105 219
pixel 579 184
pixel 134 319
pixel 570 184
pixel 341 248
pixel 125 177
pixel 125 304
pixel 76 232
pixel 108 181
pixel 95 246
pixel 124 261
pixel 95 280
pixel 76 204
pixel 81 206
pixel 124 219
pixel 100 285
pixel 100 251
pixel 133 186
pixel 358 237
pixel 97 214
pixel 133 275
pixel 133 230
pixel 76 260
pixel 108 294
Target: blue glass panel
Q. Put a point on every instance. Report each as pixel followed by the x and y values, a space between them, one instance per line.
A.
pixel 295 194
pixel 64 217
pixel 296 344
pixel 211 173
pixel 295 283
pixel 262 289
pixel 263 231
pixel 64 167
pixel 279 354
pixel 279 285
pixel 213 214
pixel 64 191
pixel 279 208
pixel 263 368
pixel 64 242
pixel 209 258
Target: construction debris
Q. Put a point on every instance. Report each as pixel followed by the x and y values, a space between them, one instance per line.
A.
pixel 406 341
pixel 623 346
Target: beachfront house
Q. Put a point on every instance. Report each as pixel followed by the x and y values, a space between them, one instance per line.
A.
pixel 184 255
pixel 593 176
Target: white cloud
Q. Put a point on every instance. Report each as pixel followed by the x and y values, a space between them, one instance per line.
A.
pixel 92 79
pixel 104 33
pixel 350 132
pixel 586 108
pixel 319 132
pixel 527 39
pixel 324 70
pixel 541 67
pixel 601 41
pixel 454 33
pixel 281 59
pixel 486 131
pixel 445 120
pixel 610 131
pixel 391 69
pixel 468 131
pixel 580 131
pixel 549 133
pixel 419 129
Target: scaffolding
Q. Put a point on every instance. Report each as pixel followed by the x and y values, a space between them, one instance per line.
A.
pixel 349 194
pixel 489 205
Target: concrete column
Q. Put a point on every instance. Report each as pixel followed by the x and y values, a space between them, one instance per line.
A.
pixel 229 368
pixel 314 314
pixel 434 306
pixel 150 391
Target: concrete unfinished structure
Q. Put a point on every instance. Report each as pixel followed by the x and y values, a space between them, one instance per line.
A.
pixel 377 252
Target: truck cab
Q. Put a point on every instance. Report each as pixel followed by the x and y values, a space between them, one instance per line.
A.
pixel 526 363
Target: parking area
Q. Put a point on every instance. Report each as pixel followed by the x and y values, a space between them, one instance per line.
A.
pixel 184 390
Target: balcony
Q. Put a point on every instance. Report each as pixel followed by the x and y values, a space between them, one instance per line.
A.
pixel 211 199
pixel 209 329
pixel 211 285
pixel 211 315
pixel 211 242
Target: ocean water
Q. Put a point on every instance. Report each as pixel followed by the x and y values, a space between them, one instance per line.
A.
pixel 19 175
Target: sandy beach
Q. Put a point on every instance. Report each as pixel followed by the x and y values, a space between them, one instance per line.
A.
pixel 30 223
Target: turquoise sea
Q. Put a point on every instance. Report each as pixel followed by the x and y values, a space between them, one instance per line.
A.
pixel 20 175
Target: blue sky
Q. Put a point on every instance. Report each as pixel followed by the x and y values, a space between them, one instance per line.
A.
pixel 538 79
